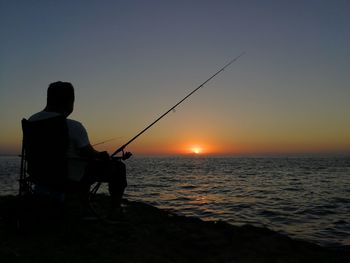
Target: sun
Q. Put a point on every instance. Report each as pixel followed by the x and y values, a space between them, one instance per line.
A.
pixel 196 150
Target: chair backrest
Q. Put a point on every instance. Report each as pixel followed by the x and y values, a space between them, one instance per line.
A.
pixel 45 144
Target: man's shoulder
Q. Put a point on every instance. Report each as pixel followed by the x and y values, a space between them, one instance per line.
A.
pixel 77 133
pixel 43 115
pixel 75 125
pixel 74 122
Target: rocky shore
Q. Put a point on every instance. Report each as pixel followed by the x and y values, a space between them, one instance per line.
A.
pixel 148 234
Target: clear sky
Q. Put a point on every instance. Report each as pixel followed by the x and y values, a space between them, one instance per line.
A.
pixel 132 60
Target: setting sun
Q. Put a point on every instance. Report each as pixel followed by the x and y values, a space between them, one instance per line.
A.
pixel 196 150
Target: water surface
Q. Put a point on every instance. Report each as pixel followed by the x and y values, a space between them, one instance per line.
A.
pixel 307 198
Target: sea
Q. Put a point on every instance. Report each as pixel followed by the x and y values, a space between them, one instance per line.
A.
pixel 305 197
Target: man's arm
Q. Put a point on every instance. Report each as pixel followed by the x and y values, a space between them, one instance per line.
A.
pixel 89 152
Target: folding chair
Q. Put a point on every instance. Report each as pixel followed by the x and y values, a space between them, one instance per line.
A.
pixel 44 163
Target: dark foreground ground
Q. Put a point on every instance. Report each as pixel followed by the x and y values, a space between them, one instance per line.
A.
pixel 152 235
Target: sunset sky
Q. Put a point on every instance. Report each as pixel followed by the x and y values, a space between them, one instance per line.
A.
pixel 130 61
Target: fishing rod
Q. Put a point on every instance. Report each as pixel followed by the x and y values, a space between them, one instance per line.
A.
pixel 120 149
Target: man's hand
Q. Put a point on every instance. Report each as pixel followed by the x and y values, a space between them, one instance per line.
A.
pixel 126 155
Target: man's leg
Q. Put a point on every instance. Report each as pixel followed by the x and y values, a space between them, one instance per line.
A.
pixel 117 182
pixel 112 172
pixel 92 174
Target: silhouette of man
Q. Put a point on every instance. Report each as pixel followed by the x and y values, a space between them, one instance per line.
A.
pixel 85 164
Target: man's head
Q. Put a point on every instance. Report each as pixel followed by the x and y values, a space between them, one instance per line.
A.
pixel 60 98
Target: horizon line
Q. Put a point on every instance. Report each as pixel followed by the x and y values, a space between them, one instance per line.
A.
pixel 237 155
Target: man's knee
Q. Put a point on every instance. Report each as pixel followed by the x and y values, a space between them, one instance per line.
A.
pixel 119 169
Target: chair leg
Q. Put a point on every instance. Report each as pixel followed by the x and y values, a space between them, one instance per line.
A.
pixel 99 203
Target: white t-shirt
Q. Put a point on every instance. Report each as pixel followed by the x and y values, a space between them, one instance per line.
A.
pixel 78 138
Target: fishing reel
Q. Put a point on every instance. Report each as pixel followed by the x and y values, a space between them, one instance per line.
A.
pixel 125 156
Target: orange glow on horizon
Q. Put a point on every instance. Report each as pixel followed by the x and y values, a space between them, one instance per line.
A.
pixel 213 147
